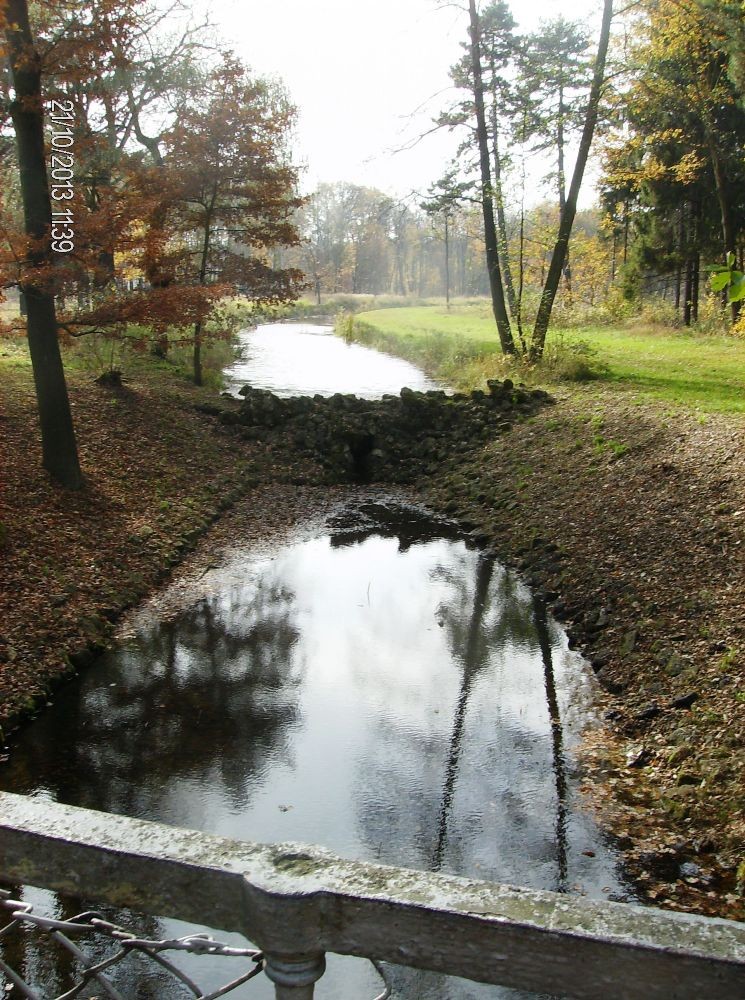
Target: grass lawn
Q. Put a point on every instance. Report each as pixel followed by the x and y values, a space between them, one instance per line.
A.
pixel 702 372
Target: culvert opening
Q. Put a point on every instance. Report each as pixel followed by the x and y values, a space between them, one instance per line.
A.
pixel 361 447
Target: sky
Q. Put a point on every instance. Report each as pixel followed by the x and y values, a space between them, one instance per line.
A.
pixel 368 77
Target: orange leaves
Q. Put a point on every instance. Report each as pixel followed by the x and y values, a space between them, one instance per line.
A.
pixel 230 193
pixel 164 226
pixel 158 309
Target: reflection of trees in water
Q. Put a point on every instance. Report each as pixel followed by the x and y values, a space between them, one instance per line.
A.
pixel 207 700
pixel 482 628
pixel 401 832
pixel 519 620
pixel 487 611
pixel 557 741
pixel 474 656
pixel 207 697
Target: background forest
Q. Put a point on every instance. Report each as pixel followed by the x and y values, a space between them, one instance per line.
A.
pixel 184 178
pixel 669 165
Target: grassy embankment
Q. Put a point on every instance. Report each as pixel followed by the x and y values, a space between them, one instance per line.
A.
pixel 706 373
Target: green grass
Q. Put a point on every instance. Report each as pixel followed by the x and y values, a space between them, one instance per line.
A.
pixel 93 355
pixel 701 372
pixel 340 302
pixel 471 321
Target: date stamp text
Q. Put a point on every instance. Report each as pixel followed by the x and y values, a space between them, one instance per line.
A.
pixel 62 160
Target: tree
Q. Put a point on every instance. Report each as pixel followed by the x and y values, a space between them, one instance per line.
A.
pixel 442 200
pixel 556 73
pixel 511 100
pixel 232 193
pixel 678 154
pixel 99 58
pixel 559 255
pixel 59 447
pixel 500 55
pixel 487 200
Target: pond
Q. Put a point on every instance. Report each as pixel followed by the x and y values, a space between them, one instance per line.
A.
pixel 381 688
pixel 293 359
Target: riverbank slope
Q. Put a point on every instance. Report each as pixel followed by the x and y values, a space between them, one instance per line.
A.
pixel 632 522
pixel 628 515
pixel 158 473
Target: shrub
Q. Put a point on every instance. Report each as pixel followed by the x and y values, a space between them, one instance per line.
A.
pixel 570 360
pixel 659 312
pixel 713 316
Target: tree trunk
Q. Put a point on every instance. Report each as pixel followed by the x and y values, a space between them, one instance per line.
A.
pixel 688 293
pixel 561 169
pixel 462 265
pixel 198 353
pixel 729 232
pixel 561 146
pixel 679 267
pixel 447 261
pixel 566 222
pixel 198 326
pixel 487 201
pixel 690 241
pixel 625 232
pixel 59 448
pixel 504 249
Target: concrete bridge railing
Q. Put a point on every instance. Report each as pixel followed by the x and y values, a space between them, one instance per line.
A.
pixel 297 904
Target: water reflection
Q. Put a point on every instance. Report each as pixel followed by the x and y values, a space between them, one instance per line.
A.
pixel 292 359
pixel 557 741
pixel 382 690
pixel 473 653
pixel 210 697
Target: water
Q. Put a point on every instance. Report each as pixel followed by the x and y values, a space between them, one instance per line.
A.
pixel 294 359
pixel 385 691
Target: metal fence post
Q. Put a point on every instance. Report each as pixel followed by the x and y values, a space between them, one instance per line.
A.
pixel 294 975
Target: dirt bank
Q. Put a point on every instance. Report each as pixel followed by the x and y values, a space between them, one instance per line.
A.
pixel 632 520
pixel 158 474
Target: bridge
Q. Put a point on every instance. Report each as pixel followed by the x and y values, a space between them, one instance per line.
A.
pixel 296 904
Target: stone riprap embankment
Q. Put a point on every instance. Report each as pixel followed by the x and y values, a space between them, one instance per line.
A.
pixel 393 439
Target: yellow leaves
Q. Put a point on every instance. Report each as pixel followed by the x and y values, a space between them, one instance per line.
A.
pixel 689 168
pixel 669 135
pixel 623 177
pixel 653 169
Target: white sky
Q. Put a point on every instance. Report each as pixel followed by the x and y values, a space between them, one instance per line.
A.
pixel 367 77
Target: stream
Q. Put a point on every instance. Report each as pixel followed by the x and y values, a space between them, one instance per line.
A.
pixel 302 359
pixel 377 686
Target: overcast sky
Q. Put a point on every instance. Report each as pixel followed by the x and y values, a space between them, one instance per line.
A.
pixel 367 77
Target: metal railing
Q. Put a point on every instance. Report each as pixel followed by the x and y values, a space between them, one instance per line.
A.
pixel 90 925
pixel 297 904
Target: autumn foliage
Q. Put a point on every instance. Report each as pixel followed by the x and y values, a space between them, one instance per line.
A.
pixel 168 220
